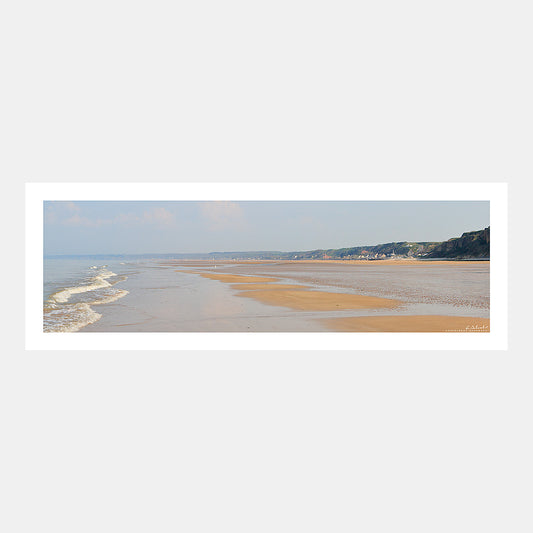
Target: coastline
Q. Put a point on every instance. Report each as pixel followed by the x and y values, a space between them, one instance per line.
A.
pixel 396 262
pixel 292 295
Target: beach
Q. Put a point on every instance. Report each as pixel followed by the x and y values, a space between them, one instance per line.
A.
pixel 397 324
pixel 298 297
pixel 283 296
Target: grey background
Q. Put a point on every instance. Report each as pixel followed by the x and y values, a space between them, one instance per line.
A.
pixel 284 441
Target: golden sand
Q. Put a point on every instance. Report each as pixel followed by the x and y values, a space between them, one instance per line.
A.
pixel 227 261
pixel 252 262
pixel 235 278
pixel 268 286
pixel 414 323
pixel 198 262
pixel 297 296
pixel 308 300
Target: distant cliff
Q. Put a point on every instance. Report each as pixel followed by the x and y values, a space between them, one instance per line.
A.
pixel 470 245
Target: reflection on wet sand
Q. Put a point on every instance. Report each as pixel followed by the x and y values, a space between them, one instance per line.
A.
pixel 300 297
pixel 269 286
pixel 233 278
pixel 304 298
pixel 217 305
pixel 308 300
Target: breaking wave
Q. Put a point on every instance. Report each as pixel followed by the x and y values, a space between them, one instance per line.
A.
pixel 97 282
pixel 60 314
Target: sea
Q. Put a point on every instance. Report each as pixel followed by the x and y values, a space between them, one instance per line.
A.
pixel 74 288
pixel 137 293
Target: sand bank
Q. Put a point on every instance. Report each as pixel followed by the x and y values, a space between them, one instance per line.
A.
pixel 308 300
pixel 297 296
pixel 268 286
pixel 217 262
pixel 236 278
pixel 425 323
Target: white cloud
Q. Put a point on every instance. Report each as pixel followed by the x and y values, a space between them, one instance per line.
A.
pixel 70 214
pixel 72 207
pixel 77 220
pixel 126 219
pixel 222 215
pixel 158 215
pixel 305 222
pixel 55 212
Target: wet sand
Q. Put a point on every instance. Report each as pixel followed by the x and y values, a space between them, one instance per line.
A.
pixel 236 278
pixel 305 296
pixel 308 300
pixel 409 323
pixel 268 286
pixel 446 287
pixel 301 298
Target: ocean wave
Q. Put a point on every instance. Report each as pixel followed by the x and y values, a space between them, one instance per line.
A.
pixel 110 297
pixel 97 282
pixel 69 318
pixel 60 315
pixel 118 280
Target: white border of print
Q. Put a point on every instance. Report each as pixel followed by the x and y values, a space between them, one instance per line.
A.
pixel 37 193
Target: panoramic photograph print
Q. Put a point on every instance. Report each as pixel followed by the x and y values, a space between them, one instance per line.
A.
pixel 266 266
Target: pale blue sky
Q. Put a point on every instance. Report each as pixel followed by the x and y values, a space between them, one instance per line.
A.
pixel 172 227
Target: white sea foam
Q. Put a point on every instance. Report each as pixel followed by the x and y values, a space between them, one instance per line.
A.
pixel 60 315
pixel 69 318
pixel 118 280
pixel 110 298
pixel 97 282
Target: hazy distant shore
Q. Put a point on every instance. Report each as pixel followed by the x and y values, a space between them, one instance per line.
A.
pixel 399 262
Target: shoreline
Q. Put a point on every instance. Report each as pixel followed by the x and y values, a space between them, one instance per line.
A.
pixel 398 262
